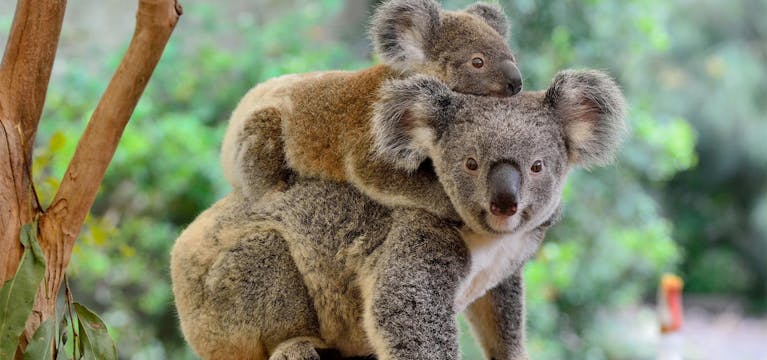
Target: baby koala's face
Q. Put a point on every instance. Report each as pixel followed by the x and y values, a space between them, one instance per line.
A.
pixel 502 161
pixel 467 50
pixel 472 58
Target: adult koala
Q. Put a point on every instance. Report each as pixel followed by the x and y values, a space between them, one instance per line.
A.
pixel 280 279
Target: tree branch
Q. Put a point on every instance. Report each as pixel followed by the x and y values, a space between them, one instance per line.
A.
pixel 61 223
pixel 12 205
pixel 24 74
pixel 27 63
pixel 154 24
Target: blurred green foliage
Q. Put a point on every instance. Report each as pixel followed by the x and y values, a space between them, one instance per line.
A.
pixel 693 170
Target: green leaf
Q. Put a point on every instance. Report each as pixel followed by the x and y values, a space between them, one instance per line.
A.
pixel 61 353
pixel 41 345
pixel 18 294
pixel 94 338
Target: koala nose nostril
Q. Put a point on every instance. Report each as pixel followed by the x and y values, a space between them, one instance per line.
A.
pixel 503 181
pixel 513 77
pixel 503 208
pixel 515 87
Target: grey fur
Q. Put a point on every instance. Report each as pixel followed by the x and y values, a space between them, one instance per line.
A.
pixel 493 14
pixel 396 119
pixel 578 120
pixel 321 264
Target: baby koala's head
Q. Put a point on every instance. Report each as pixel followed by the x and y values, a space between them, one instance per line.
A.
pixel 502 161
pixel 467 50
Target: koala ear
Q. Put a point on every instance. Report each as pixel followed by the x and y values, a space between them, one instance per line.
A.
pixel 402 29
pixel 493 15
pixel 408 118
pixel 593 110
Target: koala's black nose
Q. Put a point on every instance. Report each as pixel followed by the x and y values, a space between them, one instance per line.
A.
pixel 513 77
pixel 503 182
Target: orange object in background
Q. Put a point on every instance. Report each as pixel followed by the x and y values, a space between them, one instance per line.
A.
pixel 670 303
pixel 670 317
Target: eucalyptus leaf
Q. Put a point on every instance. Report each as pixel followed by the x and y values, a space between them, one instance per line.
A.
pixel 95 342
pixel 18 294
pixel 41 346
pixel 62 337
pixel 61 354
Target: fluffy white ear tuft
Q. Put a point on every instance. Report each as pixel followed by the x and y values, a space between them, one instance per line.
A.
pixel 593 112
pixel 406 119
pixel 402 29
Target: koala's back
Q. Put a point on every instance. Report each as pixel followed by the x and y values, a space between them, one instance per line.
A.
pixel 331 117
pixel 320 115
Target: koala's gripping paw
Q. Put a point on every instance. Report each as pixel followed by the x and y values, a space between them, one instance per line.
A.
pixel 295 350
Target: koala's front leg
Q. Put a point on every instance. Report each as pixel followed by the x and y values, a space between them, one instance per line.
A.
pixel 395 187
pixel 409 292
pixel 498 320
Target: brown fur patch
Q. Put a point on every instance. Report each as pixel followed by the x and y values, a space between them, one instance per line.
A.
pixel 331 118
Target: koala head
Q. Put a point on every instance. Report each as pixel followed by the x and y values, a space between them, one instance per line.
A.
pixel 467 50
pixel 502 161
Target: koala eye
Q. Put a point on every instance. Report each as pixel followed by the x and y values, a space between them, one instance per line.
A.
pixel 477 62
pixel 537 166
pixel 472 164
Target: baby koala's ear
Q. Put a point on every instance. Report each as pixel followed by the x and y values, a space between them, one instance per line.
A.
pixel 402 29
pixel 493 15
pixel 592 109
pixel 408 117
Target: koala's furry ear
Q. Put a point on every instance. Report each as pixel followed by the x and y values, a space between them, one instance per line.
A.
pixel 408 118
pixel 593 111
pixel 402 29
pixel 493 15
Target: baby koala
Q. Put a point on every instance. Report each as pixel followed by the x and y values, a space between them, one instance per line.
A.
pixel 318 124
pixel 281 280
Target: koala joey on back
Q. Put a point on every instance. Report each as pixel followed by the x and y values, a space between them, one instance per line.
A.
pixel 277 279
pixel 318 124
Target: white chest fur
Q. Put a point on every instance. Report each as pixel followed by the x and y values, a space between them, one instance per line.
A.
pixel 493 259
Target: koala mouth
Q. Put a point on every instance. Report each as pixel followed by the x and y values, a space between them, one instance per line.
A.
pixel 503 224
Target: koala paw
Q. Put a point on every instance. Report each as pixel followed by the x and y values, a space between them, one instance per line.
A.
pixel 298 350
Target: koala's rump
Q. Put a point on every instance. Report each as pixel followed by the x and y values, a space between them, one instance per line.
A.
pixel 249 277
pixel 217 266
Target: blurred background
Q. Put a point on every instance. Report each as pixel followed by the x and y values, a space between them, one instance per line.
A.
pixel 688 194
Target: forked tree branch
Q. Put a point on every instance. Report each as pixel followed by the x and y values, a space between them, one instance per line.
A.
pixel 61 223
pixel 24 74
